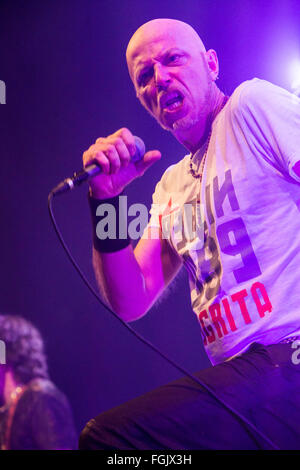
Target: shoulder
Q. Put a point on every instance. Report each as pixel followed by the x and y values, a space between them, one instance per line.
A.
pixel 49 407
pixel 42 392
pixel 42 386
pixel 257 94
pixel 252 88
pixel 43 418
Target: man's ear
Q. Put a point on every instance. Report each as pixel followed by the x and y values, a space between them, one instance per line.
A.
pixel 213 63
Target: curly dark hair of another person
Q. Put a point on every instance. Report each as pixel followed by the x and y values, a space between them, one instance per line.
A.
pixel 24 346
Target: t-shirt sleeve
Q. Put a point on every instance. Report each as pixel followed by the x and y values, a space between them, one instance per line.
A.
pixel 272 115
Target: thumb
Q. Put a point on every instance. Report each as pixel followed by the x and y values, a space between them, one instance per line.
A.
pixel 149 158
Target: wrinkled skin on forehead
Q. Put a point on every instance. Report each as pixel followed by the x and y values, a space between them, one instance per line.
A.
pixel 173 30
pixel 173 76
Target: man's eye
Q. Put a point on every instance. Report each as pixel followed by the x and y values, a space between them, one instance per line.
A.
pixel 144 78
pixel 173 58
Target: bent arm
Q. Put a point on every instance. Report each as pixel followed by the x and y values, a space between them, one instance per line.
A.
pixel 130 280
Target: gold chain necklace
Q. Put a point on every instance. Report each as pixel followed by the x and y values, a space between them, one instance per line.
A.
pixel 192 171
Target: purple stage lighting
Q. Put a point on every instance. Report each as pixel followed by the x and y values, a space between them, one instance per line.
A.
pixel 295 76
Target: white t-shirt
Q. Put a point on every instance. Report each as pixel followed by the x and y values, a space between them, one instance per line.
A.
pixel 241 242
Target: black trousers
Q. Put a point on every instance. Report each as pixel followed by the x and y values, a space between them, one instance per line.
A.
pixel 263 384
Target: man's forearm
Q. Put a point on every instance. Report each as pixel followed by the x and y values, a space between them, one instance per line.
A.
pixel 121 283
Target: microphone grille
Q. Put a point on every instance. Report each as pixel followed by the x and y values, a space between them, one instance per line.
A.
pixel 140 149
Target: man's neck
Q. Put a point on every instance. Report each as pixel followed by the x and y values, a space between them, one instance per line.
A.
pixel 196 136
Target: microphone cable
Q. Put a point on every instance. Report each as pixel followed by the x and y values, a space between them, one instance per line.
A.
pixel 234 412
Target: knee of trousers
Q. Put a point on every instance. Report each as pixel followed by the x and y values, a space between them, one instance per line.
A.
pixel 89 439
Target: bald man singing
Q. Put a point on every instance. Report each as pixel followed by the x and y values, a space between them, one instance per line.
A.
pixel 229 212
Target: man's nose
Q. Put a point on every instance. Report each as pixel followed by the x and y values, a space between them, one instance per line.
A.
pixel 161 76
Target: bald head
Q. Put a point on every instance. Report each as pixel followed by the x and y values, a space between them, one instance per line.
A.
pixel 175 31
pixel 174 77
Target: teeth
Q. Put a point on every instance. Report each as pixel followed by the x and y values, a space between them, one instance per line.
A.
pixel 174 105
pixel 172 98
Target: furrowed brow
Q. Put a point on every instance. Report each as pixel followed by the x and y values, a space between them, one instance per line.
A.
pixel 145 66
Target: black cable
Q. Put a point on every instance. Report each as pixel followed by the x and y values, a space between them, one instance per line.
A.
pixel 145 341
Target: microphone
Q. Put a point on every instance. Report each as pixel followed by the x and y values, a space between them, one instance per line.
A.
pixel 92 170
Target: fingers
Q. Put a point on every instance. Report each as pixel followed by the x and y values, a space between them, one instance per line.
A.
pixel 128 138
pixel 115 151
pixel 149 159
pixel 92 155
pixel 112 152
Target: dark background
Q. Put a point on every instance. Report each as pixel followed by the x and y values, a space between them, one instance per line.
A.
pixel 63 63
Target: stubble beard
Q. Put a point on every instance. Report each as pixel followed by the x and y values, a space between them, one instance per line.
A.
pixel 187 122
pixel 184 123
pixel 181 124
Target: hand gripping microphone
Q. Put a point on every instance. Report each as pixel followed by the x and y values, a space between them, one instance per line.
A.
pixel 92 170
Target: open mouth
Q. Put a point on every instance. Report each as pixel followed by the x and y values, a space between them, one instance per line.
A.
pixel 172 102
